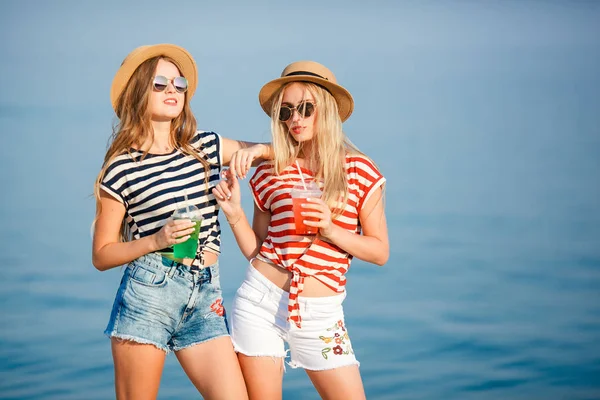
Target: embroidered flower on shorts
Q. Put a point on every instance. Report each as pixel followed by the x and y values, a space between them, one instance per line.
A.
pixel 341 340
pixel 218 308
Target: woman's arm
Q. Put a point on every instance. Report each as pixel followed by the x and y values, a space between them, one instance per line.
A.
pixel 241 156
pixel 249 238
pixel 372 246
pixel 107 249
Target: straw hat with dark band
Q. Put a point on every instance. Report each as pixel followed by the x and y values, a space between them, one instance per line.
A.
pixel 183 60
pixel 308 71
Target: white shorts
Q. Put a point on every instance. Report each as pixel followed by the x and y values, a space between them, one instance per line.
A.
pixel 259 326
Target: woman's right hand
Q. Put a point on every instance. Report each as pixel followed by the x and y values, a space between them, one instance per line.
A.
pixel 173 232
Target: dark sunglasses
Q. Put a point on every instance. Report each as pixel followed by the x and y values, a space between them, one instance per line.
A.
pixel 160 83
pixel 305 109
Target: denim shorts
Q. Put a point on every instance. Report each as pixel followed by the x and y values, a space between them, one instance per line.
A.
pixel 259 326
pixel 163 303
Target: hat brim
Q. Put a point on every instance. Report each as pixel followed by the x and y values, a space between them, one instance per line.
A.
pixel 342 97
pixel 182 58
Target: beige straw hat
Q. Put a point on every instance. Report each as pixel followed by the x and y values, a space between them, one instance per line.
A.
pixel 184 61
pixel 308 71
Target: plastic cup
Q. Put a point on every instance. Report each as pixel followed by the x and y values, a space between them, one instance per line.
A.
pixel 299 196
pixel 188 248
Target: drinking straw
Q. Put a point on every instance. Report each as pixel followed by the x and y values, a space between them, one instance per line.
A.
pixel 301 177
pixel 187 202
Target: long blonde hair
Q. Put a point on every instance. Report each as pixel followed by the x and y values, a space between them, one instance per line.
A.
pixel 134 126
pixel 327 160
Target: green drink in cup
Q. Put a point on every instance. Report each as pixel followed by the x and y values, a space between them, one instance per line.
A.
pixel 188 248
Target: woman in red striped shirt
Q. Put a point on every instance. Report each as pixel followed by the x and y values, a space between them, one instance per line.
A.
pixel 295 283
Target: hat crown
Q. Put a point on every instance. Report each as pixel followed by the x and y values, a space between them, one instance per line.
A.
pixel 309 68
pixel 134 53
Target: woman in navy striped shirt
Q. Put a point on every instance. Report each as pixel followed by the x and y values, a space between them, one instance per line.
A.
pixel 158 161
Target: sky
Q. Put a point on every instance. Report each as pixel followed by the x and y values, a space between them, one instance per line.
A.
pixel 66 52
pixel 432 80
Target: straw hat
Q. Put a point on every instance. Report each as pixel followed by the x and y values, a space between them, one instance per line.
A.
pixel 183 60
pixel 308 71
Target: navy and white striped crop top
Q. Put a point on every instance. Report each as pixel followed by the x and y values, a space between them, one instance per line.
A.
pixel 152 188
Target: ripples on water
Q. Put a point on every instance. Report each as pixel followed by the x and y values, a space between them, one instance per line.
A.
pixel 485 314
pixel 469 307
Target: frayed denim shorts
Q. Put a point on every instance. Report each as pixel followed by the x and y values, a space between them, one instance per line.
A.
pixel 163 303
pixel 259 326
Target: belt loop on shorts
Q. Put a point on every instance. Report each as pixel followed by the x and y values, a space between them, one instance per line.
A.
pixel 172 264
pixel 172 270
pixel 206 275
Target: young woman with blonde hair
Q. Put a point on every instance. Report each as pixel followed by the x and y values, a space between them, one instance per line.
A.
pixel 295 283
pixel 158 161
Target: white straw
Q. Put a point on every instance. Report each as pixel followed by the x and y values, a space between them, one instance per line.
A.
pixel 187 203
pixel 301 177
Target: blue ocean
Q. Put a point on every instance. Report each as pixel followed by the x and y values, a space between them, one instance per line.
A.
pixel 491 150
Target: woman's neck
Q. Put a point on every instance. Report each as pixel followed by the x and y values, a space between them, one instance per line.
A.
pixel 161 142
pixel 304 162
pixel 305 150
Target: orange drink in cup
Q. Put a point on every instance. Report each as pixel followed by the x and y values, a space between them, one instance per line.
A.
pixel 300 192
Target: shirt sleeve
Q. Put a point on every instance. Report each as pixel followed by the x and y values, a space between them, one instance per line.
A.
pixel 260 185
pixel 209 145
pixel 219 143
pixel 114 181
pixel 369 178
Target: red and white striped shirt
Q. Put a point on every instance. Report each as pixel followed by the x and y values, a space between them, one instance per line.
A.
pixel 309 255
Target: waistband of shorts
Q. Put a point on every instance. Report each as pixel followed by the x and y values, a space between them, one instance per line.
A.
pixel 275 292
pixel 164 264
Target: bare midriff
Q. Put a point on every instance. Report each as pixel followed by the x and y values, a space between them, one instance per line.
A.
pixel 208 257
pixel 282 278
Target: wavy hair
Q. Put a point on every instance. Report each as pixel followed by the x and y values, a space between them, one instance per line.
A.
pixel 133 127
pixel 330 145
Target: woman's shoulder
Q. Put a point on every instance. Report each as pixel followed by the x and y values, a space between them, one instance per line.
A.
pixel 124 159
pixel 263 170
pixel 360 160
pixel 265 165
pixel 121 165
pixel 208 145
pixel 203 137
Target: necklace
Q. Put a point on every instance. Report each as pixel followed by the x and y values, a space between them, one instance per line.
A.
pixel 165 149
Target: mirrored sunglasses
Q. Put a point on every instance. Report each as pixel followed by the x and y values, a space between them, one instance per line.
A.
pixel 160 83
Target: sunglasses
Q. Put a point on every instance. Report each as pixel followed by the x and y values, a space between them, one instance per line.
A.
pixel 160 83
pixel 305 109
